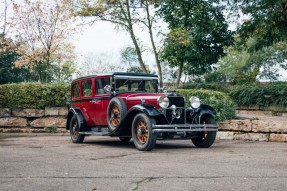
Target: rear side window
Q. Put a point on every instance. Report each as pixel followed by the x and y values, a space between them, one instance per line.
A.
pixel 87 88
pixel 76 90
pixel 101 83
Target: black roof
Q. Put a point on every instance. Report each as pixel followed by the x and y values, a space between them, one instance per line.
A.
pixel 117 73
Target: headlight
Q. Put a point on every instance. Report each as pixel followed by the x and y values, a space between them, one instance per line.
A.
pixel 163 102
pixel 194 102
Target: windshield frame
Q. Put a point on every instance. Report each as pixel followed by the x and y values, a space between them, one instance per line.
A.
pixel 132 79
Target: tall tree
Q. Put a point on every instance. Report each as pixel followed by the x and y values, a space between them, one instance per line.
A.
pixel 197 37
pixel 43 27
pixel 126 14
pixel 266 21
pixel 8 55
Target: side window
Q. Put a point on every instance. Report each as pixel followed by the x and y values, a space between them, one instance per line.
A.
pixel 101 83
pixel 76 90
pixel 87 88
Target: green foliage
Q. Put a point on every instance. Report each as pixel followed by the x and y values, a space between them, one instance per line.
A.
pixel 198 34
pixel 220 101
pixel 222 87
pixel 34 95
pixel 267 21
pixel 260 95
pixel 52 129
pixel 241 66
pixel 8 72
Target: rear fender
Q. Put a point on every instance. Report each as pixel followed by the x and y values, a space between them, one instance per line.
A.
pixel 81 120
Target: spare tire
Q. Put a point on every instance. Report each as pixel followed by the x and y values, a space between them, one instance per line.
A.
pixel 117 110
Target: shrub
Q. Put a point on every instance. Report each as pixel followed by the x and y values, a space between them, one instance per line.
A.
pixel 221 102
pixel 260 95
pixel 222 87
pixel 34 95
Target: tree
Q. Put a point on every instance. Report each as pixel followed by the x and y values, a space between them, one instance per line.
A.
pixel 126 14
pixel 240 66
pixel 197 37
pixel 266 21
pixel 8 55
pixel 42 27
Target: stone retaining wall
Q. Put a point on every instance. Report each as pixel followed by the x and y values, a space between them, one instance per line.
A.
pixel 33 120
pixel 253 130
pixel 54 119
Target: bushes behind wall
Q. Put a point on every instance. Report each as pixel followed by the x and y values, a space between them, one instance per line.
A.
pixel 34 95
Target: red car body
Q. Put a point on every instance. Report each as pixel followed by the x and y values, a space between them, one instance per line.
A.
pixel 128 105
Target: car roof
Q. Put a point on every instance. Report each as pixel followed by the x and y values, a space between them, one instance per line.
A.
pixel 116 74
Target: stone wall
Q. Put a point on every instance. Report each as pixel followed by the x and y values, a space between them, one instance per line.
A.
pixel 53 119
pixel 50 119
pixel 254 130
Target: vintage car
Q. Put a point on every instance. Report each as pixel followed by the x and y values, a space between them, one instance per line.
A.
pixel 128 105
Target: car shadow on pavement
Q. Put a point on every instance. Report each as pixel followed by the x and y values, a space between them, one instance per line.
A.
pixel 159 145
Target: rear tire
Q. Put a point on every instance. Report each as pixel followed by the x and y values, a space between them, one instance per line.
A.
pixel 143 137
pixel 205 139
pixel 75 135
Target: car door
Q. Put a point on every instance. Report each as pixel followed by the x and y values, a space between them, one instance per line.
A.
pixel 88 106
pixel 101 100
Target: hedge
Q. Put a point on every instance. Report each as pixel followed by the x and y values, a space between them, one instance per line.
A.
pixel 34 95
pixel 261 95
pixel 220 101
pixel 222 87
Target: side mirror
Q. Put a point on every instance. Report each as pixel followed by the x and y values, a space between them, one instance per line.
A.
pixel 107 89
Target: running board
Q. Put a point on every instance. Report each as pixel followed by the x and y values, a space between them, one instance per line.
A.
pixel 99 131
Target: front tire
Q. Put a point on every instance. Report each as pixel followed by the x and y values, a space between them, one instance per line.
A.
pixel 205 139
pixel 76 137
pixel 143 137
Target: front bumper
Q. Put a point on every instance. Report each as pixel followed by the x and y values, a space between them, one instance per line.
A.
pixel 184 128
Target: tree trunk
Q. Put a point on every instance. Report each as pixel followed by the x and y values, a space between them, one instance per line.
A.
pixel 153 46
pixel 131 31
pixel 180 67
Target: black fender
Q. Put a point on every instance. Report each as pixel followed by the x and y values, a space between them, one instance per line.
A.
pixel 81 120
pixel 206 110
pixel 149 110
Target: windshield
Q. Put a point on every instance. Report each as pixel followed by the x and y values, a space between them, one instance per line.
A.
pixel 136 85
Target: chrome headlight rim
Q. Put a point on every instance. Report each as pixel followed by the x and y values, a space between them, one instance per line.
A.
pixel 163 101
pixel 194 102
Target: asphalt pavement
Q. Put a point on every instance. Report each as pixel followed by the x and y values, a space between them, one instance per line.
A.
pixel 104 163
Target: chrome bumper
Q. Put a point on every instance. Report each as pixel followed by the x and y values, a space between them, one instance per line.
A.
pixel 184 128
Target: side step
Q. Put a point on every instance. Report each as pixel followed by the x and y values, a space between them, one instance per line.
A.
pixel 99 131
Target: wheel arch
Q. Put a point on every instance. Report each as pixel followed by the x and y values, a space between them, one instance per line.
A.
pixel 80 118
pixel 149 110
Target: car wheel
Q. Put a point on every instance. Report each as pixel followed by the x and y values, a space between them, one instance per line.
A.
pixel 117 110
pixel 125 139
pixel 76 137
pixel 143 137
pixel 206 138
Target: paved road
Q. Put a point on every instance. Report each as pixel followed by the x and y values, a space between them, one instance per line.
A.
pixel 54 163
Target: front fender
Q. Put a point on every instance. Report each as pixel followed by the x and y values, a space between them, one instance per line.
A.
pixel 149 110
pixel 206 109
